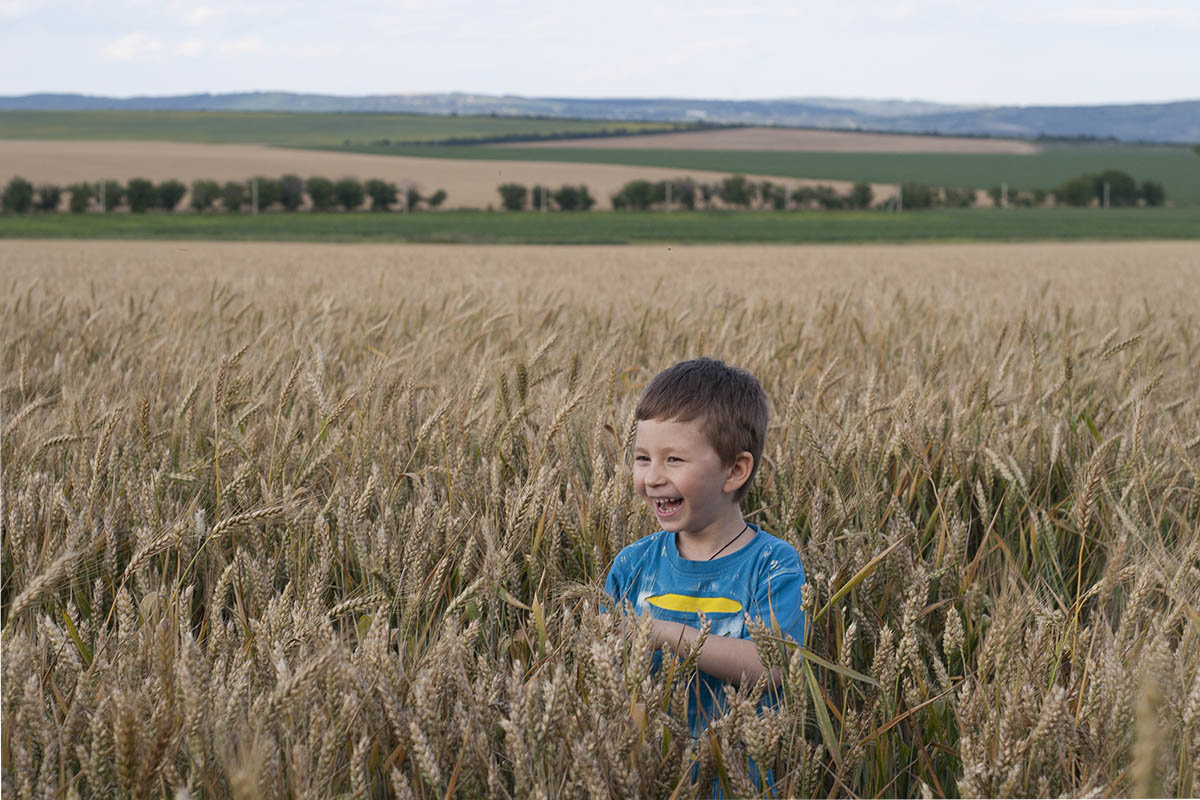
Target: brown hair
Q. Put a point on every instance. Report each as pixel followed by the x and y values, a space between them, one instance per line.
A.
pixel 729 402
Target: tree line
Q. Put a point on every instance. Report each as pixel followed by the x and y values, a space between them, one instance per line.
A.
pixel 261 193
pixel 1122 189
pixel 547 136
pixel 684 193
pixel 291 192
pixel 738 191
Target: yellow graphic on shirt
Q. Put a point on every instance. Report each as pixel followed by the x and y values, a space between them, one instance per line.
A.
pixel 683 602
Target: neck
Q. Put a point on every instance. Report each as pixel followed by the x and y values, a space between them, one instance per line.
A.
pixel 702 544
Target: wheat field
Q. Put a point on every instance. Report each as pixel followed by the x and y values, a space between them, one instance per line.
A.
pixel 314 521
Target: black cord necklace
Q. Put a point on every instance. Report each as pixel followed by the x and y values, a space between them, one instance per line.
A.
pixel 731 541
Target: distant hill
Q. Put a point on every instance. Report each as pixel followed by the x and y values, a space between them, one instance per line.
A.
pixel 1158 122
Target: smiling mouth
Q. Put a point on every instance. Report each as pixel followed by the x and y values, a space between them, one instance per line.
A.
pixel 667 506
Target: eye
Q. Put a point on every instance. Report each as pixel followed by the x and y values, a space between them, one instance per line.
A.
pixel 641 458
pixel 676 459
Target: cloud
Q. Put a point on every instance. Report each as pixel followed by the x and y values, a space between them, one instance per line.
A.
pixel 240 46
pixel 131 46
pixel 15 9
pixel 1120 17
pixel 192 47
pixel 202 14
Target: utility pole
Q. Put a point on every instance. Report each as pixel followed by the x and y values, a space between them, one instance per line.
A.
pixel 1004 195
pixel 544 204
pixel 1106 194
pixel 103 207
pixel 668 185
pixel 900 197
pixel 254 196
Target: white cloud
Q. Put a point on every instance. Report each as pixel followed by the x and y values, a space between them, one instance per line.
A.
pixel 202 14
pixel 1120 17
pixel 131 46
pixel 240 46
pixel 15 9
pixel 244 45
pixel 267 10
pixel 192 47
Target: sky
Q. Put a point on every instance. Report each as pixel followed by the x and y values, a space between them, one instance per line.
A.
pixel 1017 52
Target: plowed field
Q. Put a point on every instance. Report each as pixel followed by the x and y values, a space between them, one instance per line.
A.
pixel 468 183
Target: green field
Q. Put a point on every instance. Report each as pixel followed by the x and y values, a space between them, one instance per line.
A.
pixel 624 227
pixel 290 129
pixel 1177 168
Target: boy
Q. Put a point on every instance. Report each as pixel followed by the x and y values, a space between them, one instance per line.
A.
pixel 700 431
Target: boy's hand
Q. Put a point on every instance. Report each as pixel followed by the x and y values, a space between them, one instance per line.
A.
pixel 662 634
pixel 732 660
pixel 668 635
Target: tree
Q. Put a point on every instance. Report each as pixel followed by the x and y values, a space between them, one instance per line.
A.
pixel 707 193
pixel 18 196
pixel 1122 188
pixel 513 196
pixel 573 198
pixel 916 195
pixel 204 194
pixel 828 198
pixel 437 198
pixel 48 197
pixel 1077 191
pixel 804 196
pixel 170 193
pixel 1196 149
pixel 683 191
pixel 586 201
pixel 637 195
pixel 412 198
pixel 233 195
pixel 1153 193
pixel 81 197
pixel 268 192
pixel 997 194
pixel 565 197
pixel 291 192
pixel 540 195
pixel 773 195
pixel 861 195
pixel 143 195
pixel 321 193
pixel 349 193
pixel 382 194
pixel 958 198
pixel 737 190
pixel 658 194
pixel 113 195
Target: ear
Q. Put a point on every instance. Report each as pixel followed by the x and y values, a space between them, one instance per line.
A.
pixel 739 472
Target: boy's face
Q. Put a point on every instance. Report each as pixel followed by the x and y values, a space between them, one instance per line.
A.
pixel 681 475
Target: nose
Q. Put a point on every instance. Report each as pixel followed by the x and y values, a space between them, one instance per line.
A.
pixel 654 475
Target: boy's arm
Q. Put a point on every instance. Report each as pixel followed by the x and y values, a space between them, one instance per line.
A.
pixel 731 660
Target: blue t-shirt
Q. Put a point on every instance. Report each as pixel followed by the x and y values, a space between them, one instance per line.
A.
pixel 762 580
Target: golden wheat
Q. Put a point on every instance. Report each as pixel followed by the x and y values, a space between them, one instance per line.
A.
pixel 316 521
